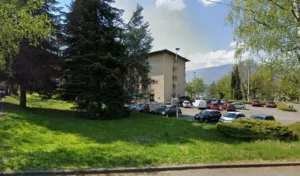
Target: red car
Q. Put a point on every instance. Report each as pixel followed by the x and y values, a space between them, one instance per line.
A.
pixel 270 104
pixel 255 103
pixel 228 107
pixel 214 106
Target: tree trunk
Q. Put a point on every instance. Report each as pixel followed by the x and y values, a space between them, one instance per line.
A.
pixel 23 96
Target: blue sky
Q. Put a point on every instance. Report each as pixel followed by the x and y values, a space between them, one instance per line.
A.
pixel 197 27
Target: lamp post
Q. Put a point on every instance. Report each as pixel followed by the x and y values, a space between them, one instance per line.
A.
pixel 177 49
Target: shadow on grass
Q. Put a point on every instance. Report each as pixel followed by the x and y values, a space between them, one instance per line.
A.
pixel 140 128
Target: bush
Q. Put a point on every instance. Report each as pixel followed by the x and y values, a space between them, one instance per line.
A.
pixel 242 101
pixel 296 128
pixel 284 107
pixel 257 129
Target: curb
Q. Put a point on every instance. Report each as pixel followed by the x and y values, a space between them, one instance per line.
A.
pixel 148 169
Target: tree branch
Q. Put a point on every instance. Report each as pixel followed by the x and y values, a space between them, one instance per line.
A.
pixel 281 7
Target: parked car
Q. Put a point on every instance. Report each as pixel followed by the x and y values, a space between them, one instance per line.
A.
pixel 270 104
pixel 159 110
pixel 228 107
pixel 208 116
pixel 255 103
pixel 186 104
pixel 262 117
pixel 239 105
pixel 232 116
pixel 214 106
pixel 208 103
pixel 171 111
pixel 200 104
pixel 214 101
pixel 223 101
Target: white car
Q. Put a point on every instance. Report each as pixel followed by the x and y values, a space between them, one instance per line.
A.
pixel 186 104
pixel 200 104
pixel 232 116
pixel 214 101
pixel 223 101
pixel 239 105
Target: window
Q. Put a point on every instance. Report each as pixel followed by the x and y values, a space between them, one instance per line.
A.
pixel 174 86
pixel 269 118
pixel 240 115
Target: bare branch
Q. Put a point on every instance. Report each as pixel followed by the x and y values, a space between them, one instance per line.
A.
pixel 281 7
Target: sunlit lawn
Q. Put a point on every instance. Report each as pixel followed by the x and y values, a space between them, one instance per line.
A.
pixel 37 139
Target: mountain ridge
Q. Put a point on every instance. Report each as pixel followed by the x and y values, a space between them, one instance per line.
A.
pixel 209 74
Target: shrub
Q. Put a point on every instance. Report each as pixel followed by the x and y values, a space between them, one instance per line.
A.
pixel 296 128
pixel 257 129
pixel 243 101
pixel 284 107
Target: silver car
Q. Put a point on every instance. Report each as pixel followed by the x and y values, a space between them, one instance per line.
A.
pixel 239 105
pixel 232 116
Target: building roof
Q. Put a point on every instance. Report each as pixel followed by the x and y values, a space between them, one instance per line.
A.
pixel 169 52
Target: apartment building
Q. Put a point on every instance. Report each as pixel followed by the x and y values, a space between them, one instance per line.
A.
pixel 169 75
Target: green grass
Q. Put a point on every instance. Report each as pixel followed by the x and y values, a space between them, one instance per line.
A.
pixel 42 139
pixel 285 107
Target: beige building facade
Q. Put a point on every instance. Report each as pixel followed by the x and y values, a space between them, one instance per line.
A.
pixel 168 74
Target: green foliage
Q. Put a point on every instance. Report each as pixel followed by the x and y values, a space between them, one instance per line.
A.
pixel 95 60
pixel 212 90
pixel 284 107
pixel 44 139
pixel 242 101
pixel 138 42
pixel 224 87
pixel 295 127
pixel 236 84
pixel 269 26
pixel 196 87
pixel 12 31
pixel 257 130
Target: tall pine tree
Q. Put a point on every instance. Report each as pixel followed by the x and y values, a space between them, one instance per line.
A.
pixel 236 92
pixel 94 59
pixel 138 42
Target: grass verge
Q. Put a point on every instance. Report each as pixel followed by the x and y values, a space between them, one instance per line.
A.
pixel 42 139
pixel 284 107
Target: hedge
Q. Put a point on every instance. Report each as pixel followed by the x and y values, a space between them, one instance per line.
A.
pixel 284 107
pixel 296 128
pixel 257 130
pixel 240 101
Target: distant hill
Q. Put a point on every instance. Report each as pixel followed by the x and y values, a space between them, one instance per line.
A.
pixel 209 74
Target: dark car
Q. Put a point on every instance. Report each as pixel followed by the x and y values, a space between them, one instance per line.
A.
pixel 208 116
pixel 262 117
pixel 270 104
pixel 171 112
pixel 159 110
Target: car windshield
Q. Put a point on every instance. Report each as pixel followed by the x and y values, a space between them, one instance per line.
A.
pixel 270 102
pixel 186 102
pixel 230 115
pixel 204 112
pixel 257 117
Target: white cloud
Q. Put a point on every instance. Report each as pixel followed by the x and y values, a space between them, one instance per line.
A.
pixel 234 44
pixel 208 3
pixel 170 4
pixel 213 58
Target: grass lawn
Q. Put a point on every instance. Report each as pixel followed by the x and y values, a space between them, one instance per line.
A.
pixel 41 139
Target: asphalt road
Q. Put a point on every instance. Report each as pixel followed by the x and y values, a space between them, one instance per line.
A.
pixel 272 171
pixel 281 116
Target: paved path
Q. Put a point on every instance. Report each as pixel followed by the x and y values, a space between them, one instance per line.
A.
pixel 272 171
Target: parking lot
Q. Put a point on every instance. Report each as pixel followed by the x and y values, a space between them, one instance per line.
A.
pixel 281 116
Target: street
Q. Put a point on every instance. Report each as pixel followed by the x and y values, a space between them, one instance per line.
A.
pixel 281 116
pixel 267 171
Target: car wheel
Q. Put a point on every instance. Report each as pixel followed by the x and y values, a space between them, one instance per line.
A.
pixel 206 121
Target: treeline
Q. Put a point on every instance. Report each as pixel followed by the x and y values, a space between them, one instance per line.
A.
pixel 88 56
pixel 267 81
